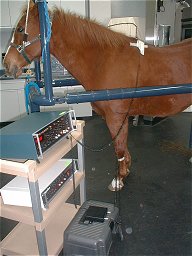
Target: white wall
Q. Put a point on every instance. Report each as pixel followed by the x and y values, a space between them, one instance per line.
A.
pixel 10 12
pixel 100 10
pixel 4 41
pixel 128 8
pixel 77 6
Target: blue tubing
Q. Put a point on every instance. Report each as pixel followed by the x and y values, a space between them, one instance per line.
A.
pixel 61 83
pixel 28 87
pixel 114 94
pixel 45 37
pixel 125 93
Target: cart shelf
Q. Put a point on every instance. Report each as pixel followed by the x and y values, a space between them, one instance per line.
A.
pixel 22 239
pixel 25 214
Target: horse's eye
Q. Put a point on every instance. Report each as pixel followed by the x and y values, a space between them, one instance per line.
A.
pixel 20 29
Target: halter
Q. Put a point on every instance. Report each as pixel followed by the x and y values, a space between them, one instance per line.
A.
pixel 21 48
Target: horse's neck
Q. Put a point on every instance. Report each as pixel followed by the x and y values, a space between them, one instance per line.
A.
pixel 76 59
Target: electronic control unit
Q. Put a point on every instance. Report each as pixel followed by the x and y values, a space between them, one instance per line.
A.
pixel 32 136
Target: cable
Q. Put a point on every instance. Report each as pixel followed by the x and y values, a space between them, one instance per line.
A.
pixel 117 196
pixel 114 138
pixel 104 147
pixel 125 23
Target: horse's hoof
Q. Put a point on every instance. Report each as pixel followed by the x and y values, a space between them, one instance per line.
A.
pixel 116 185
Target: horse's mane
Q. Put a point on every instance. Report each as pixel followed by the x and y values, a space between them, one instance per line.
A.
pixel 89 32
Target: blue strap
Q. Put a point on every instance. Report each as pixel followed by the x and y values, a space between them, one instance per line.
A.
pixel 27 93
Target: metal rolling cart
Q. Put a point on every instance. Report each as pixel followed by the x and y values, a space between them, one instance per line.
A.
pixel 40 232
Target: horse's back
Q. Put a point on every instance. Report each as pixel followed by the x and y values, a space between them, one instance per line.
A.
pixel 167 65
pixel 159 66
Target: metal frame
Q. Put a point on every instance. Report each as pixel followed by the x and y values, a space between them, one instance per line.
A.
pixel 47 61
pixel 38 216
pixel 81 162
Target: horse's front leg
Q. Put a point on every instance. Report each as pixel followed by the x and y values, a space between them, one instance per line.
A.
pixel 118 127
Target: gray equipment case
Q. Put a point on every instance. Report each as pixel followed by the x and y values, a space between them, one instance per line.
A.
pixel 91 238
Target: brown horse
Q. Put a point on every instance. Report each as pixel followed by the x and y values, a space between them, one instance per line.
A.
pixel 103 59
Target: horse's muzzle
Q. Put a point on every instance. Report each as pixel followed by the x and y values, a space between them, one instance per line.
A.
pixel 12 70
pixel 6 67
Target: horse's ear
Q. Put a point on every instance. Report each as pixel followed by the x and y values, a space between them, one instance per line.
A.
pixel 31 3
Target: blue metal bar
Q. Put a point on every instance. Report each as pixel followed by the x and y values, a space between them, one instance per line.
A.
pixel 41 100
pixel 65 82
pixel 34 107
pixel 126 93
pixel 37 71
pixel 113 94
pixel 46 46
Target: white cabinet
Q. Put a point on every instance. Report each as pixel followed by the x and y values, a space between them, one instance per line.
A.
pixel 12 112
pixel 12 100
pixel 100 11
pixel 5 20
pixel 53 3
pixel 10 12
pixel 16 8
pixel 77 6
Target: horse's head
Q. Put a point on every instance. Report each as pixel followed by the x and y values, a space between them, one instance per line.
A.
pixel 25 44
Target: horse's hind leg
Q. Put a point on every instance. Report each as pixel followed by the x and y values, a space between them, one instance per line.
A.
pixel 118 126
